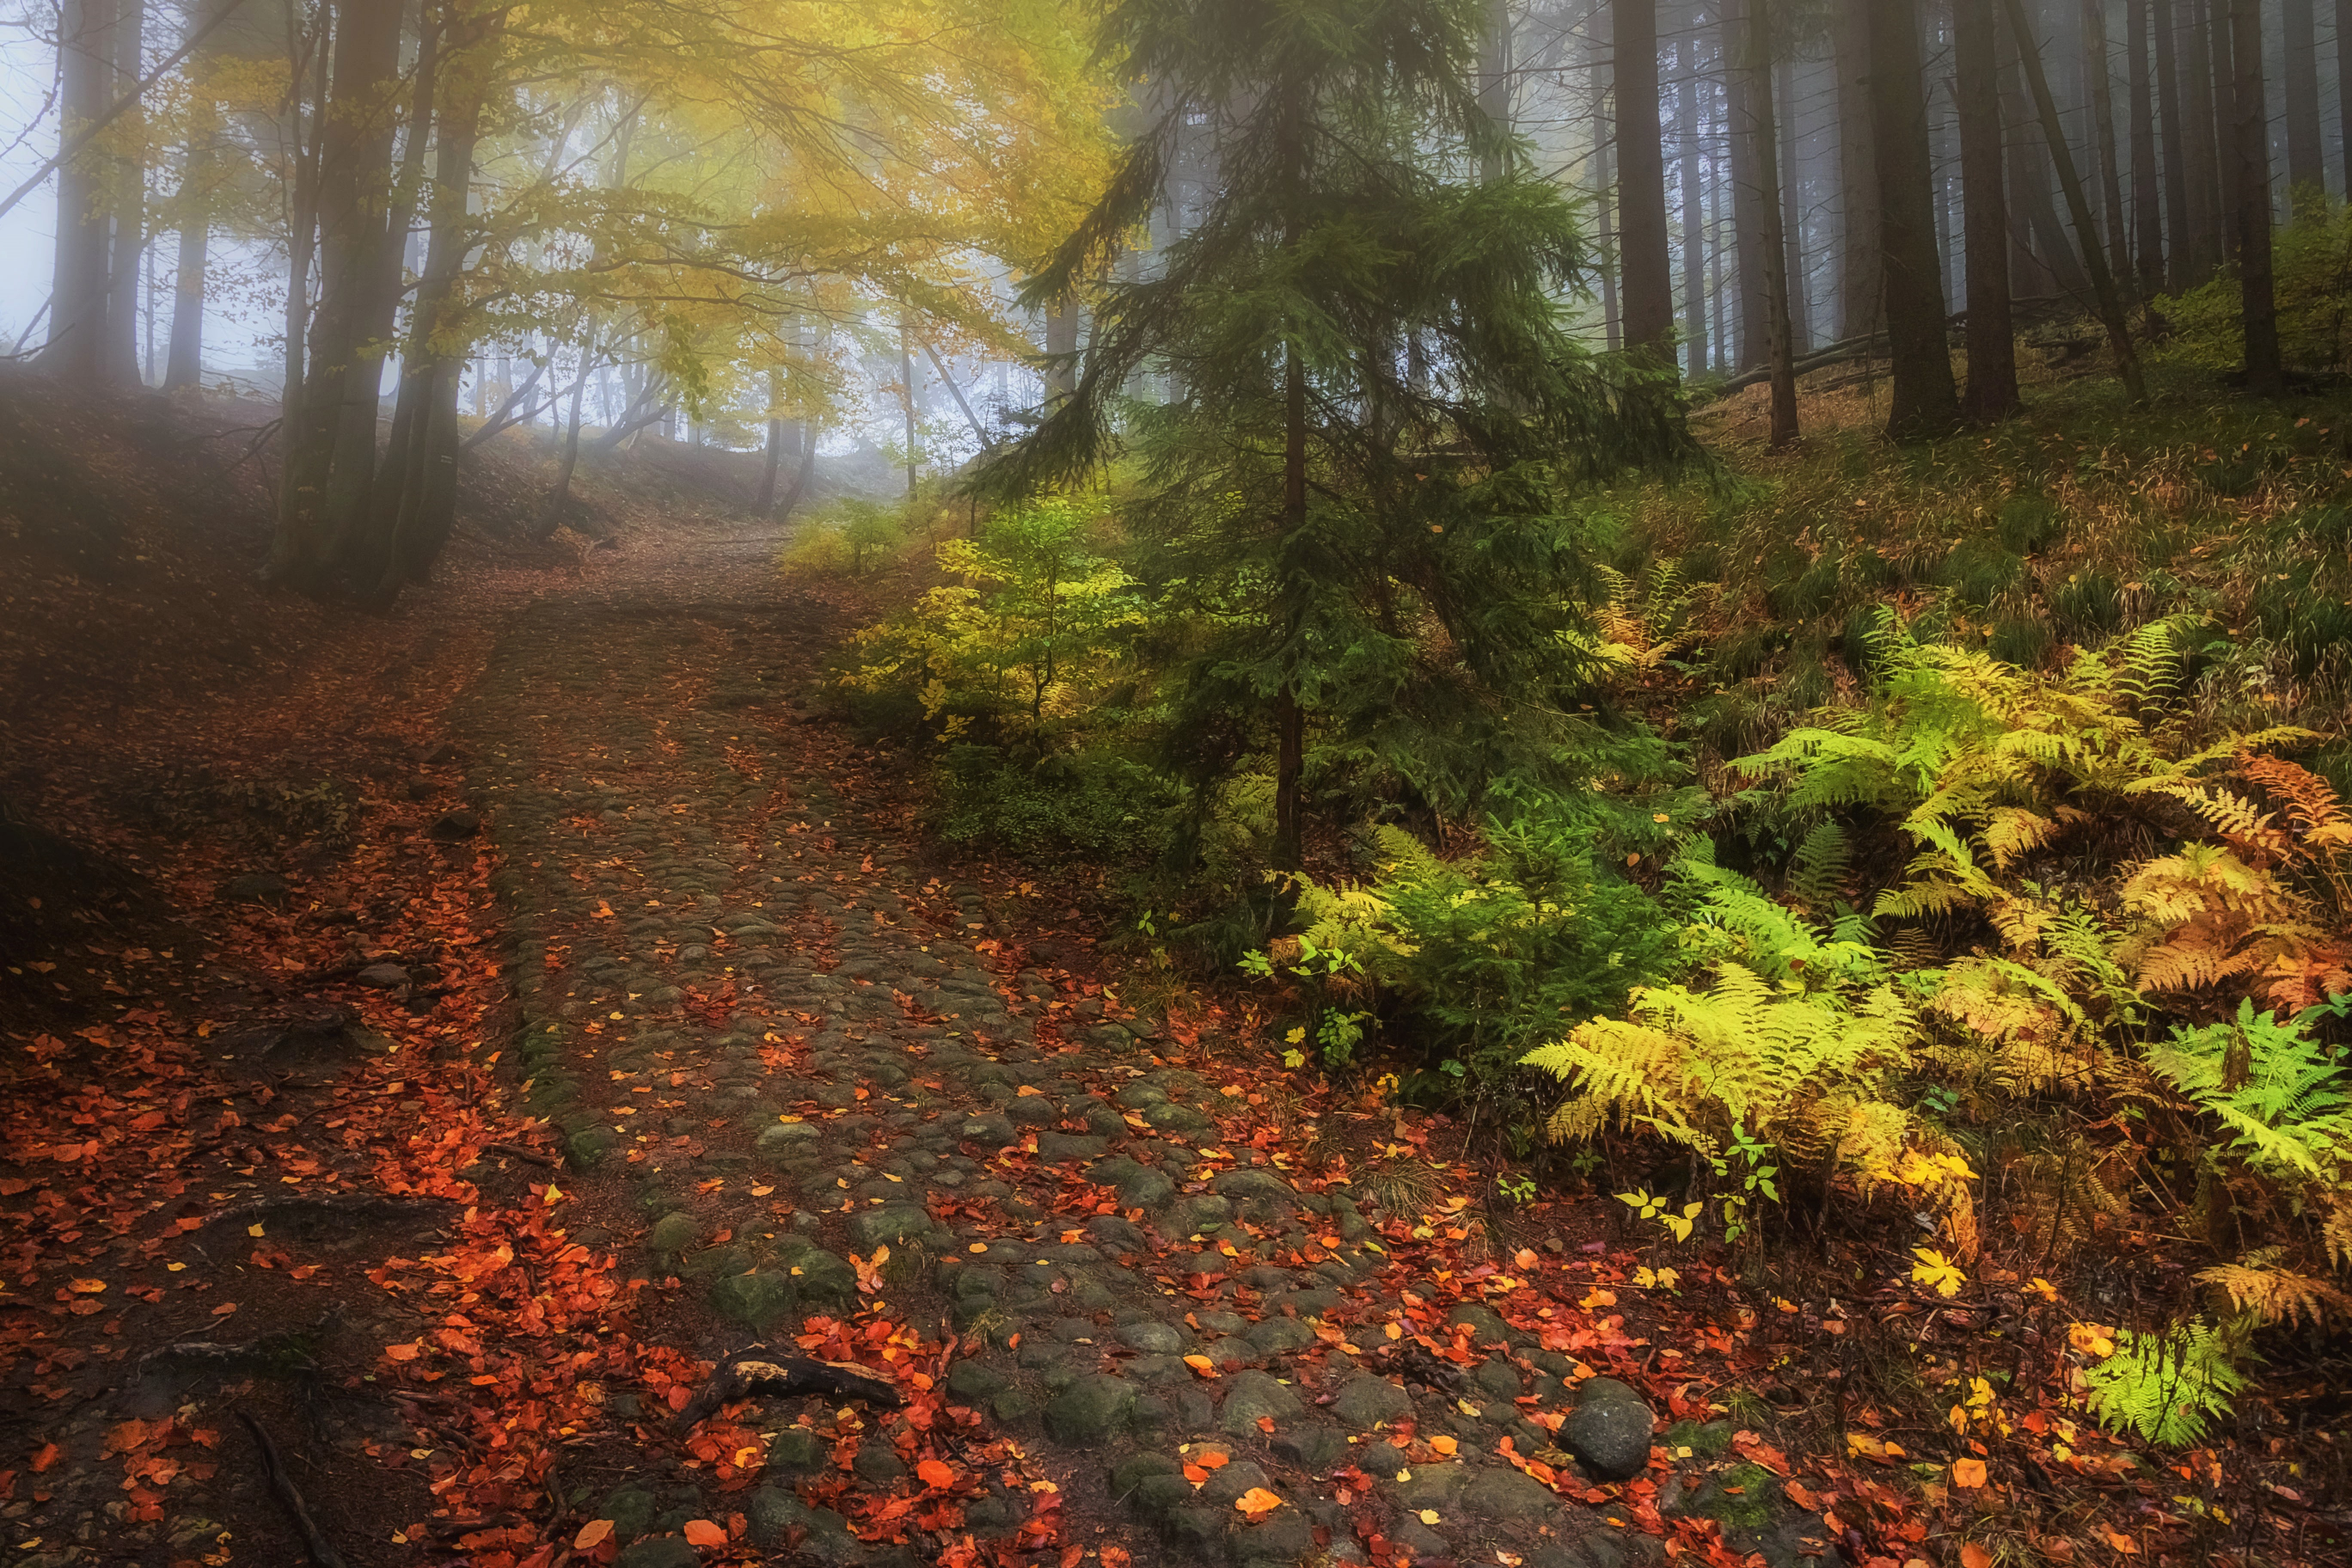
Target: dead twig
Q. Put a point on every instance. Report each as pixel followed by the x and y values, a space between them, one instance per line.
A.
pixel 754 1372
pixel 322 1551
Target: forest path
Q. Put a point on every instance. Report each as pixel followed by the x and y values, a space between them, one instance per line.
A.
pixel 773 1046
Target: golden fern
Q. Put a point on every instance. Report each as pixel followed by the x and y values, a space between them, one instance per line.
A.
pixel 2273 1294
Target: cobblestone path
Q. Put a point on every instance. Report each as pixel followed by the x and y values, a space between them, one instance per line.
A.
pixel 773 1047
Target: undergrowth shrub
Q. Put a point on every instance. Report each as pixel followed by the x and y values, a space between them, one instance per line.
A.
pixel 2311 261
pixel 848 538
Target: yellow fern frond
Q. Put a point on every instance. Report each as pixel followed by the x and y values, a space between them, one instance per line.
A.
pixel 2276 1294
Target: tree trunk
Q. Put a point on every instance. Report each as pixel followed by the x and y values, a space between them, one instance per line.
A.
pixel 1645 266
pixel 184 361
pixel 1861 279
pixel 2225 121
pixel 292 550
pixel 1747 91
pixel 767 497
pixel 1605 201
pixel 1290 718
pixel 2179 224
pixel 2251 181
pixel 2098 72
pixel 2203 164
pixel 2103 287
pixel 559 495
pixel 1495 78
pixel 1061 349
pixel 2306 170
pixel 78 279
pixel 2040 257
pixel 2148 216
pixel 356 141
pixel 1923 402
pixel 1779 349
pixel 1694 205
pixel 2343 88
pixel 1992 342
pixel 118 353
pixel 1793 270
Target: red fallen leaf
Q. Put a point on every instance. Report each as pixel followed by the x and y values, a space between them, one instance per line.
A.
pixel 1265 1423
pixel 45 1458
pixel 1801 1496
pixel 934 1473
pixel 702 1532
pixel 595 1533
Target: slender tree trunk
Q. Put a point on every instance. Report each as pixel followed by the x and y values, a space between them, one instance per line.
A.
pixel 355 142
pixel 1992 342
pixel 185 360
pixel 2179 224
pixel 1778 347
pixel 292 550
pixel 1495 77
pixel 1747 91
pixel 2098 72
pixel 1693 204
pixel 1061 349
pixel 2148 216
pixel 2307 170
pixel 1923 403
pixel 127 239
pixel 2103 287
pixel 1793 270
pixel 1644 266
pixel 2252 183
pixel 2203 162
pixel 1605 204
pixel 2225 121
pixel 1861 279
pixel 86 31
pixel 2343 88
pixel 1290 718
pixel 559 495
pixel 767 497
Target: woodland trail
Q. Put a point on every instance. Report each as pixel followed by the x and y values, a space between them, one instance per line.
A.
pixel 812 1092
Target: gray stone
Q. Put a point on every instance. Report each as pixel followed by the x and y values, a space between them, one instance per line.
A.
pixel 661 1552
pixel 1139 1187
pixel 1187 1216
pixel 789 1137
pixel 1280 1336
pixel 673 1233
pixel 450 826
pixel 1157 1339
pixel 1485 1328
pixel 1282 1537
pixel 1181 1121
pixel 1609 1429
pixel 1089 1410
pixel 875 1463
pixel 1311 1447
pixel 1368 1400
pixel 1242 1185
pixel 991 1129
pixel 799 1448
pixel 1432 1486
pixel 1503 1493
pixel 631 1511
pixel 1499 1379
pixel 1253 1394
pixel 892 1224
pixel 970 1380
pixel 1060 1148
pixel 1031 1110
pixel 382 976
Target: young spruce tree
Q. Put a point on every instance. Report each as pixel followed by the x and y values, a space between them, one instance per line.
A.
pixel 1359 487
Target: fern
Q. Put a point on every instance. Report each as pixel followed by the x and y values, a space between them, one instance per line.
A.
pixel 2269 1294
pixel 1817 872
pixel 2285 1104
pixel 2166 1388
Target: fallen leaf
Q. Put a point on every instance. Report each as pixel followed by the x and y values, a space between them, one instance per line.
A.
pixel 1429 1516
pixel 402 1353
pixel 1258 1502
pixel 934 1473
pixel 45 1458
pixel 1973 1554
pixel 1202 1364
pixel 702 1532
pixel 595 1533
pixel 87 1287
pixel 1445 1446
pixel 1968 1472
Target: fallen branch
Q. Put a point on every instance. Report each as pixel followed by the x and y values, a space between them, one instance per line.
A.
pixel 754 1372
pixel 322 1551
pixel 519 1153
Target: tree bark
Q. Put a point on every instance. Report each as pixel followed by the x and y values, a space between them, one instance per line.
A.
pixel 559 495
pixel 1991 392
pixel 2148 216
pixel 1691 173
pixel 1923 403
pixel 2251 180
pixel 1290 718
pixel 2306 170
pixel 2103 287
pixel 2098 72
pixel 2343 88
pixel 1495 78
pixel 78 280
pixel 118 360
pixel 1061 349
pixel 1643 265
pixel 2203 164
pixel 2179 226
pixel 1748 92
pixel 1779 346
pixel 184 363
pixel 354 169
pixel 1605 203
pixel 1793 216
pixel 1861 280
pixel 2218 47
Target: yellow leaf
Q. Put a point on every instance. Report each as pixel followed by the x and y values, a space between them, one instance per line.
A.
pixel 1202 1364
pixel 1429 1516
pixel 594 1534
pixel 1936 1270
pixel 1256 1502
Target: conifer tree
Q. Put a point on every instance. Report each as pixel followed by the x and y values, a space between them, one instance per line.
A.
pixel 1376 556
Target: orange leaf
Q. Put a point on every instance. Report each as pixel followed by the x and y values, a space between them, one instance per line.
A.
pixel 702 1532
pixel 1258 1502
pixel 1974 1555
pixel 595 1533
pixel 1202 1364
pixel 935 1474
pixel 45 1458
pixel 1211 1460
pixel 401 1352
pixel 1445 1446
pixel 1265 1424
pixel 1968 1472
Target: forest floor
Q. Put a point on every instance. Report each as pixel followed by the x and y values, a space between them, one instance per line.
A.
pixel 434 1042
